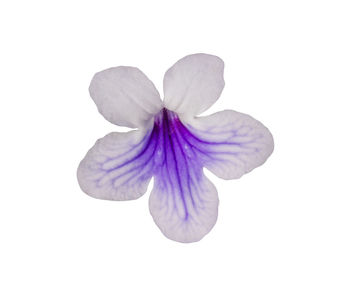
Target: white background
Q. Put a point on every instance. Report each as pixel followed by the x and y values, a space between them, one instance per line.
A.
pixel 287 64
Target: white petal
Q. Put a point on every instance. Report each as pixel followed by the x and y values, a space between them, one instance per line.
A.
pixel 193 84
pixel 118 167
pixel 230 143
pixel 125 96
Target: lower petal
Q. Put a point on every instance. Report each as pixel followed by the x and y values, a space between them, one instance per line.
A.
pixel 229 143
pixel 184 213
pixel 119 166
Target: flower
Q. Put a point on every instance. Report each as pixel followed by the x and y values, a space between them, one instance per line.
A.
pixel 171 144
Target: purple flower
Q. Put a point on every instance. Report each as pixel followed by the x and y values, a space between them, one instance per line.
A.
pixel 171 144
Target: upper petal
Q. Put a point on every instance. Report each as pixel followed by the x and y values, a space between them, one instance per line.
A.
pixel 193 84
pixel 125 96
pixel 119 166
pixel 230 143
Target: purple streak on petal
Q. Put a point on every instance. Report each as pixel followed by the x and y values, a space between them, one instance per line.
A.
pixel 181 172
pixel 175 154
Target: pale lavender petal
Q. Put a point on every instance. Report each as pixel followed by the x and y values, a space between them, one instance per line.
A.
pixel 119 166
pixel 125 96
pixel 229 143
pixel 193 84
pixel 183 203
pixel 184 213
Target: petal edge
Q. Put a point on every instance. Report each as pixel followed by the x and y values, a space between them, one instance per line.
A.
pixel 117 167
pixel 230 143
pixel 184 225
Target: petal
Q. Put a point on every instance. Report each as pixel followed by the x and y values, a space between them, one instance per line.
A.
pixel 184 213
pixel 118 167
pixel 125 96
pixel 193 84
pixel 183 203
pixel 230 143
